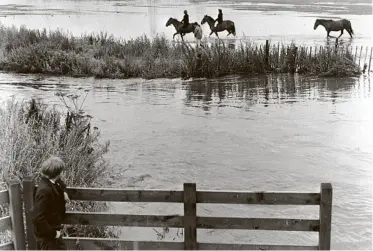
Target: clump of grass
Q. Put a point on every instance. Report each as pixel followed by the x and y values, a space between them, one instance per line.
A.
pixel 32 131
pixel 58 53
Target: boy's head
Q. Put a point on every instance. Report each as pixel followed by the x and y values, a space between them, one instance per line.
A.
pixel 196 24
pixel 52 167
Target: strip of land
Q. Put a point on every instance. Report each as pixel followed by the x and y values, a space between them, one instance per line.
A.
pixel 56 53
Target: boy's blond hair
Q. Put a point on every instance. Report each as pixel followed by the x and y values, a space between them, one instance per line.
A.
pixel 52 167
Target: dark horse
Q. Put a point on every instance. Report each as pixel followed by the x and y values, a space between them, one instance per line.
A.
pixel 331 25
pixel 177 24
pixel 225 25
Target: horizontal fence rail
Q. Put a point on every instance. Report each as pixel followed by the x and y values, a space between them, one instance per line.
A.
pixel 190 222
pixel 176 221
pixel 265 198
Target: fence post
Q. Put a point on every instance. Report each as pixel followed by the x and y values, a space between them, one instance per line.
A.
pixel 16 215
pixel 28 198
pixel 267 54
pixel 190 216
pixel 325 216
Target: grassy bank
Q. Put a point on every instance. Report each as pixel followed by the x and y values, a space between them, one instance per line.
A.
pixel 57 53
pixel 31 131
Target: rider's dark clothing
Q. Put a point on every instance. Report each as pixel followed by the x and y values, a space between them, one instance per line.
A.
pixel 185 21
pixel 220 18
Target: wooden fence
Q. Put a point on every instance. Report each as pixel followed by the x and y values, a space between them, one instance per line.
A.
pixel 190 221
pixel 276 55
pixel 12 199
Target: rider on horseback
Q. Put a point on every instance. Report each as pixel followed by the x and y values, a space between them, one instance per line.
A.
pixel 185 20
pixel 220 17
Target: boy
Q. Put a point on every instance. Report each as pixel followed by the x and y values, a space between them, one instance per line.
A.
pixel 49 206
pixel 198 34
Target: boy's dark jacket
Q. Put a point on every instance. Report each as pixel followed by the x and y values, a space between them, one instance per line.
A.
pixel 49 208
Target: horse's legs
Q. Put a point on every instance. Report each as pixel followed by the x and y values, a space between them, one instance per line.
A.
pixel 349 32
pixel 216 34
pixel 341 34
pixel 329 35
pixel 211 33
pixel 175 35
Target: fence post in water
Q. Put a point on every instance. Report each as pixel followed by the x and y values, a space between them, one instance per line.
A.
pixel 16 215
pixel 190 216
pixel 278 55
pixel 28 200
pixel 370 59
pixel 325 216
pixel 366 53
pixel 310 52
pixel 267 54
pixel 355 53
pixel 361 49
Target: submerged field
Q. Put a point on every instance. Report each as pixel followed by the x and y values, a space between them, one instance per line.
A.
pixel 57 53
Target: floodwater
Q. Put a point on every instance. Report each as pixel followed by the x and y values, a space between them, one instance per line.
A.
pixel 269 133
pixel 277 20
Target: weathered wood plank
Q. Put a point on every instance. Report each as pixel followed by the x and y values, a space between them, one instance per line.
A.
pixel 4 197
pixel 266 198
pixel 217 246
pixel 7 246
pixel 226 197
pixel 5 223
pixel 190 216
pixel 258 224
pixel 325 216
pixel 28 201
pixel 16 215
pixel 97 194
pixel 105 219
pixel 112 244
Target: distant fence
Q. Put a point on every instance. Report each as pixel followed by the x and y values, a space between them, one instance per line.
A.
pixel 12 199
pixel 276 55
pixel 190 221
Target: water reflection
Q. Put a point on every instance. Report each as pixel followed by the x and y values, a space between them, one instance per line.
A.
pixel 265 90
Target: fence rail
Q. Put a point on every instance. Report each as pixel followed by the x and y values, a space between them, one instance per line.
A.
pixel 14 221
pixel 190 221
pixel 265 198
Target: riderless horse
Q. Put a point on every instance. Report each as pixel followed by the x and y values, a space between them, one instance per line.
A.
pixel 331 25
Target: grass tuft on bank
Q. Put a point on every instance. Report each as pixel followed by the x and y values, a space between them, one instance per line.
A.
pixel 58 53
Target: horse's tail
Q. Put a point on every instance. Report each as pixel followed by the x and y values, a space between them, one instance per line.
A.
pixel 233 29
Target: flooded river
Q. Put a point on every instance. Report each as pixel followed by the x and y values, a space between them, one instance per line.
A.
pixel 278 20
pixel 265 133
